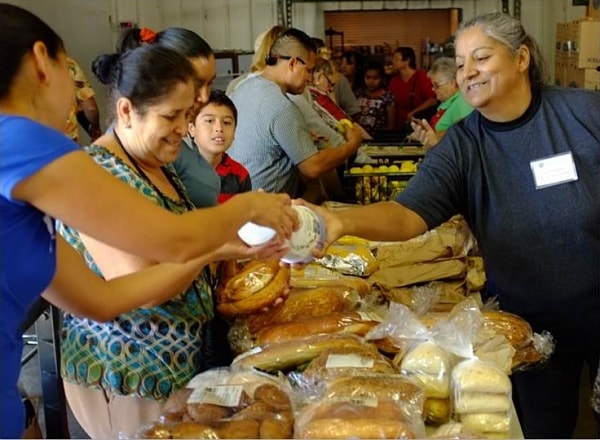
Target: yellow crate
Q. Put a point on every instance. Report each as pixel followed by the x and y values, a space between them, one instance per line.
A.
pixel 376 187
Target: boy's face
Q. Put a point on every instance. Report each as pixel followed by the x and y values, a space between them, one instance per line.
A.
pixel 214 128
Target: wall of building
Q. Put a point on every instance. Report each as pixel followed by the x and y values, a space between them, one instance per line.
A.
pixel 91 27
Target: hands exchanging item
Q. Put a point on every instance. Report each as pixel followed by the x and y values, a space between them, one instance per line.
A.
pixel 264 282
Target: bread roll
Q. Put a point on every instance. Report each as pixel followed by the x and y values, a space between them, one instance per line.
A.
pixel 428 358
pixel 429 365
pixel 176 405
pixel 361 428
pixel 207 412
pixel 336 322
pixel 273 396
pixel 243 428
pixel 273 428
pixel 285 355
pixel 477 376
pixel 192 430
pixel 486 422
pixel 466 402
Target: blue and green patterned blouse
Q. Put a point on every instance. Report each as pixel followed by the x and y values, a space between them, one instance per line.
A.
pixel 146 352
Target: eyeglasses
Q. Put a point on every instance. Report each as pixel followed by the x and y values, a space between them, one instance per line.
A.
pixel 436 86
pixel 287 57
pixel 331 83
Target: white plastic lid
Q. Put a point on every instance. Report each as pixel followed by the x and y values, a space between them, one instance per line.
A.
pixel 255 235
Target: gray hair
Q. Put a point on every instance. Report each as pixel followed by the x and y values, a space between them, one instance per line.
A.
pixel 445 67
pixel 510 32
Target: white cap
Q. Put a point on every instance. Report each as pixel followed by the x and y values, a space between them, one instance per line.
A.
pixel 255 235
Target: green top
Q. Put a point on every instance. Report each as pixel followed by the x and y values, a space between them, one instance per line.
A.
pixel 455 109
pixel 146 352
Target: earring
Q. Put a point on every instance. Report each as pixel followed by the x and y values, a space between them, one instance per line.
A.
pixel 128 125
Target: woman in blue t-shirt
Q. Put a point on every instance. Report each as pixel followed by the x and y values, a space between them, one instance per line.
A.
pixel 44 176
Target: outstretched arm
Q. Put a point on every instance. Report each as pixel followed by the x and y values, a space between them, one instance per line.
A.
pixel 76 289
pixel 84 196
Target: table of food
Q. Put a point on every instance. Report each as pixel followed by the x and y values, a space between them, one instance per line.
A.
pixel 374 341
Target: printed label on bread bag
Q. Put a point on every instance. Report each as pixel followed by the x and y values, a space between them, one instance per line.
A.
pixel 348 361
pixel 222 395
pixel 363 401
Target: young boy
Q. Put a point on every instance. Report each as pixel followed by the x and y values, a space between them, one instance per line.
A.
pixel 213 132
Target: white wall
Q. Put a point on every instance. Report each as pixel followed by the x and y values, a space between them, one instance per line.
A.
pixel 90 27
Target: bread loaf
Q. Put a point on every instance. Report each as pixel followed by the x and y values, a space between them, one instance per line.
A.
pixel 342 322
pixel 513 327
pixel 288 354
pixel 338 362
pixel 242 296
pixel 380 386
pixel 333 428
pixel 303 304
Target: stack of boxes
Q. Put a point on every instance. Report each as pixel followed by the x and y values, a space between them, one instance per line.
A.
pixel 577 53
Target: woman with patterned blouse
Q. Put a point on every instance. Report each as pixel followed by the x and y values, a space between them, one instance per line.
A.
pixel 117 374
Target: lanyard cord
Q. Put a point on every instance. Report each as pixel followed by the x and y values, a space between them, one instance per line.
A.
pixel 165 172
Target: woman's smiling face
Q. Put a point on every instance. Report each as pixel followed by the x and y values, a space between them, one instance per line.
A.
pixel 488 71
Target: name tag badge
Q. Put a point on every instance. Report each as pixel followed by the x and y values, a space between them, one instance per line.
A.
pixel 554 170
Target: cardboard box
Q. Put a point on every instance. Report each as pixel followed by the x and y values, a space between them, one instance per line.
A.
pixel 583 43
pixel 560 73
pixel 593 10
pixel 583 78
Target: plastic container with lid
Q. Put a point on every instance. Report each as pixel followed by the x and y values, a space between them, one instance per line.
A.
pixel 310 233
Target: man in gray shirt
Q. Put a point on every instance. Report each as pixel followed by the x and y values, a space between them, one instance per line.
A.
pixel 272 140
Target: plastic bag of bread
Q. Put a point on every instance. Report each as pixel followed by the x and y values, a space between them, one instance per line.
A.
pixel 374 419
pixel 354 322
pixel 227 403
pixel 286 355
pixel 343 362
pixel 257 286
pixel 305 303
pixel 300 304
pixel 482 397
pixel 378 387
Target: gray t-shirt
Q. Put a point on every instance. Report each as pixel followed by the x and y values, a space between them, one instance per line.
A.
pixel 271 136
pixel 541 247
pixel 200 179
pixel 345 97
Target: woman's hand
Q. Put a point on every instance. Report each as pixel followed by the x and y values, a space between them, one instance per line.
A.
pixel 423 132
pixel 274 211
pixel 333 225
pixel 236 249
